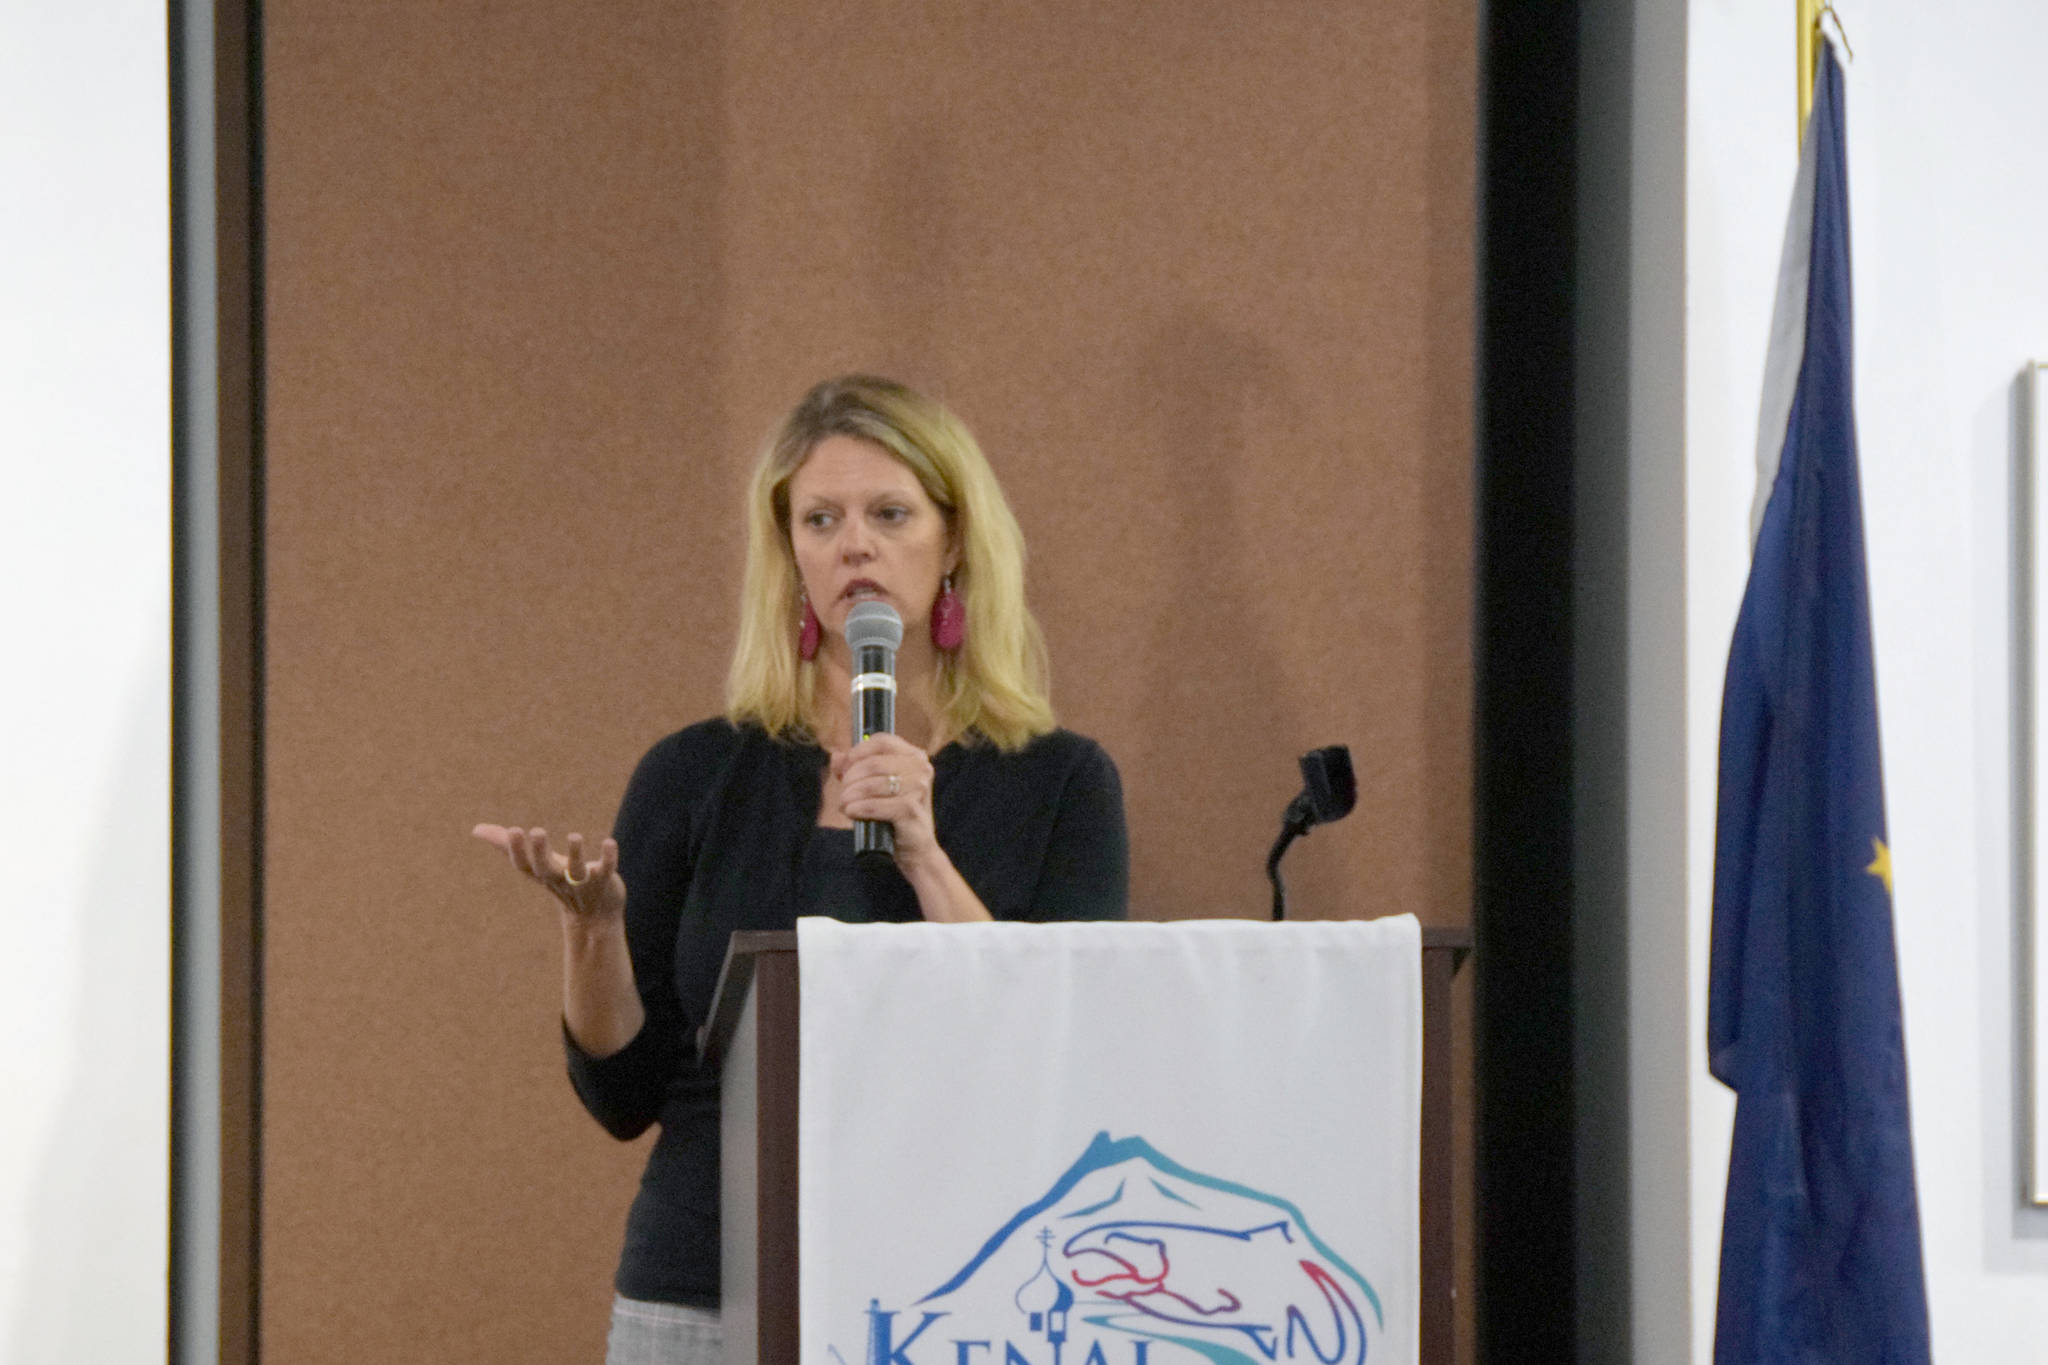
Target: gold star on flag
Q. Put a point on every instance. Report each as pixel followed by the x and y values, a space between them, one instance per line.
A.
pixel 1881 866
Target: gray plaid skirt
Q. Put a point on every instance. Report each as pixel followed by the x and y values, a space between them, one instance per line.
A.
pixel 662 1334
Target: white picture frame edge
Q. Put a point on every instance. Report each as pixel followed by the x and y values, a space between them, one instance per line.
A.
pixel 2034 383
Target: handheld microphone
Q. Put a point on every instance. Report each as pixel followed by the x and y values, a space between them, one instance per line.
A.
pixel 873 632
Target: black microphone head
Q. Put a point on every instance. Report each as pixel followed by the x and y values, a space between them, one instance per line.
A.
pixel 874 623
pixel 1328 783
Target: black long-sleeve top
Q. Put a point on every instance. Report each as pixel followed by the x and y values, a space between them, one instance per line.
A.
pixel 718 832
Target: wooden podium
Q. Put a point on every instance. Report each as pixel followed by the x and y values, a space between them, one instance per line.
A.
pixel 751 1038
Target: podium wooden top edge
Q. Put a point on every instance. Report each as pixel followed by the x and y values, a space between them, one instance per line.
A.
pixel 747 946
pixel 742 951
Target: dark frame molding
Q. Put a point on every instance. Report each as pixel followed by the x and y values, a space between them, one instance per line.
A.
pixel 1524 762
pixel 238 125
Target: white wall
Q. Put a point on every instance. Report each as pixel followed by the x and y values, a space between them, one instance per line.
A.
pixel 85 683
pixel 1949 216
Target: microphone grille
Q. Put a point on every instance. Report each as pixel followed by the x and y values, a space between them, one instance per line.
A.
pixel 874 623
pixel 1330 784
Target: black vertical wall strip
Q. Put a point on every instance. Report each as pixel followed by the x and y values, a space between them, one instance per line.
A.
pixel 236 201
pixel 1523 776
pixel 248 548
pixel 256 504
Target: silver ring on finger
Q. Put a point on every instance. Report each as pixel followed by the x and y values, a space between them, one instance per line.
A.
pixel 895 785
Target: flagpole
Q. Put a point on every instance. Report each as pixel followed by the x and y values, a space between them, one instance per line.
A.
pixel 1809 40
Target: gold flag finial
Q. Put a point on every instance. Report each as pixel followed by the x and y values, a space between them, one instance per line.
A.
pixel 1809 44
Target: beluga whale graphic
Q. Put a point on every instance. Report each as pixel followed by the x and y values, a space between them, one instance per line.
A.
pixel 1129 1253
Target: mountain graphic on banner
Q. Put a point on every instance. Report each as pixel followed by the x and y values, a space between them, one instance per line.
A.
pixel 1131 1259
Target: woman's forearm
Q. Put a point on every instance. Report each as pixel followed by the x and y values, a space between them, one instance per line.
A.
pixel 599 1002
pixel 942 893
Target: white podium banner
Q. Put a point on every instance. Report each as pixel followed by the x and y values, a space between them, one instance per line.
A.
pixel 1194 1143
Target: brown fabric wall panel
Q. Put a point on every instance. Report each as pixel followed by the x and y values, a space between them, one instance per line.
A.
pixel 1174 264
pixel 539 279
pixel 485 470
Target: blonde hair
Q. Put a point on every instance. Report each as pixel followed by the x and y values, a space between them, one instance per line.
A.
pixel 995 684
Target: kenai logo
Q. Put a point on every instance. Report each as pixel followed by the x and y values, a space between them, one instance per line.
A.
pixel 1129 1259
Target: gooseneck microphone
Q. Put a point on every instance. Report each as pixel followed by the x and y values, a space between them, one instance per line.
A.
pixel 873 632
pixel 1329 789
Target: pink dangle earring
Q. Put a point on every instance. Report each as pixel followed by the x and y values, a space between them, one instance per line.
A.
pixel 807 633
pixel 949 618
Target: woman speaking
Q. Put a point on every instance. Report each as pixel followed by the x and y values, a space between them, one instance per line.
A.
pixel 868 492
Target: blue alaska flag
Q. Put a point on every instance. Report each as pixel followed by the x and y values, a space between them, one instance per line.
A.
pixel 1820 1242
